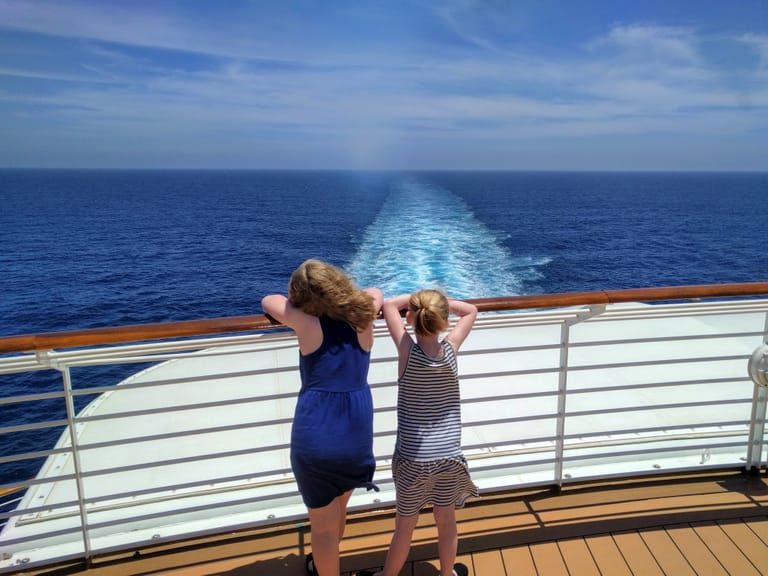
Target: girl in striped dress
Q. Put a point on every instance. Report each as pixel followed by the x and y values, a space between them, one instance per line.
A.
pixel 428 465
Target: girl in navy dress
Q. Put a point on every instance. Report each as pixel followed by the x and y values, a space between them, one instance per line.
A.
pixel 428 465
pixel 332 432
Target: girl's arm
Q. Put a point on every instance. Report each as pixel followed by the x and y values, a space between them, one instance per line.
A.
pixel 391 312
pixel 307 327
pixel 378 298
pixel 278 306
pixel 467 314
pixel 365 338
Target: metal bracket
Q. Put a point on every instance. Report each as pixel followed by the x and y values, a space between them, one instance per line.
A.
pixel 44 358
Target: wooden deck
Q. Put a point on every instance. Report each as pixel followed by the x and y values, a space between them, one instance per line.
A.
pixel 713 524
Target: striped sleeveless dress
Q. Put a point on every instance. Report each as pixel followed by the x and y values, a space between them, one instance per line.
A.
pixel 428 465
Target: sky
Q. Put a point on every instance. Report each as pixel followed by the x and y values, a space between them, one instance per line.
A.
pixel 387 84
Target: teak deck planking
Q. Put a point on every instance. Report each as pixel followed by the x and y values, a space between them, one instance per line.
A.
pixel 705 524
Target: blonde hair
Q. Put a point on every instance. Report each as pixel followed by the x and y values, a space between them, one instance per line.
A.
pixel 321 289
pixel 429 312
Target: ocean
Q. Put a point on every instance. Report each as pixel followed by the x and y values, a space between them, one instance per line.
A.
pixel 86 249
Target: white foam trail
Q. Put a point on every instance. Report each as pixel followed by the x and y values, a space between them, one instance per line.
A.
pixel 426 237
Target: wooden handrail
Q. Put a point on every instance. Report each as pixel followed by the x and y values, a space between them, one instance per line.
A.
pixel 6 491
pixel 627 295
pixel 165 330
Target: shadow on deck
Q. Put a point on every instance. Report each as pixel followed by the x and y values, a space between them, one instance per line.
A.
pixel 714 523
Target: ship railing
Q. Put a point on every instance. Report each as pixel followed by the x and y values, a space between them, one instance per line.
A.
pixel 555 389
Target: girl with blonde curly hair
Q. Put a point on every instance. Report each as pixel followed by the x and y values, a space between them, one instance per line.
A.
pixel 332 432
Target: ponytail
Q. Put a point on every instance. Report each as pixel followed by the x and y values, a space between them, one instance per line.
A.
pixel 429 311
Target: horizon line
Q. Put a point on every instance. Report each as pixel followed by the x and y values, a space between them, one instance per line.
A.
pixel 393 170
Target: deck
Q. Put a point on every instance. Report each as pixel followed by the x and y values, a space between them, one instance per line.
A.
pixel 661 403
pixel 705 524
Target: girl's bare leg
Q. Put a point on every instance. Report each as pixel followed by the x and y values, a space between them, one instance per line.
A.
pixel 343 500
pixel 327 527
pixel 447 538
pixel 400 545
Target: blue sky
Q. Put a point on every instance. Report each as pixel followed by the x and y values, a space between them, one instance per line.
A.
pixel 530 84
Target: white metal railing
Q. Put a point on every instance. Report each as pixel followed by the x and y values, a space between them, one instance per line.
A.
pixel 198 442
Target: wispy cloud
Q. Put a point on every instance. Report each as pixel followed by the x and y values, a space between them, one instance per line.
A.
pixel 327 85
pixel 650 44
pixel 759 43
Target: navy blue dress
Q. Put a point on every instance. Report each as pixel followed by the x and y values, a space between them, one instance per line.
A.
pixel 332 433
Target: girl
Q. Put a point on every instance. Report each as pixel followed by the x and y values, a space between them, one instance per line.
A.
pixel 332 432
pixel 428 464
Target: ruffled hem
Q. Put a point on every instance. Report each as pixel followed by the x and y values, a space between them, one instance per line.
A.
pixel 442 482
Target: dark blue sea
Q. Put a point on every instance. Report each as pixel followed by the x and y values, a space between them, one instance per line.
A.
pixel 85 249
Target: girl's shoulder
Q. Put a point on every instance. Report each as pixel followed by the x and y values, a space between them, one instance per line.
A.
pixel 448 345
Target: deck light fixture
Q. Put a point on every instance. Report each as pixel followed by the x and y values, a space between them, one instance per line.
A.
pixel 758 365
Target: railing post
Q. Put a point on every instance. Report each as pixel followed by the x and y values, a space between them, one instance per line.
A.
pixel 562 385
pixel 561 391
pixel 70 404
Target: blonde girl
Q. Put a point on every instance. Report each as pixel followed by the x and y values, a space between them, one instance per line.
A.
pixel 428 465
